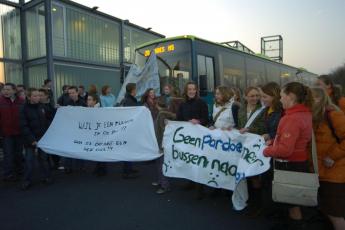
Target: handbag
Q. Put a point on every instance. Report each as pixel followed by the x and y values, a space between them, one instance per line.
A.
pixel 297 188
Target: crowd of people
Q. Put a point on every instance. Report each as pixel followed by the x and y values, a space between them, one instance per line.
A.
pixel 284 116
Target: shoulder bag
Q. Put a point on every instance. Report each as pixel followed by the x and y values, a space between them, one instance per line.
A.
pixel 297 188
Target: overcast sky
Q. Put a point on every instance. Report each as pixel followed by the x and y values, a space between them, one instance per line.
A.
pixel 313 30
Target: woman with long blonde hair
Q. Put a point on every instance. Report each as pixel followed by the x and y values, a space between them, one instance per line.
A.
pixel 250 115
pixel 329 128
pixel 225 112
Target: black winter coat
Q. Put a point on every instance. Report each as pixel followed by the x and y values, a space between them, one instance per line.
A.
pixel 80 102
pixel 33 123
pixel 193 109
pixel 63 99
pixel 129 100
pixel 50 111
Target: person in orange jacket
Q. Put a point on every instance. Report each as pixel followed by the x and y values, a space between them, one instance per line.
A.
pixel 325 82
pixel 290 145
pixel 329 127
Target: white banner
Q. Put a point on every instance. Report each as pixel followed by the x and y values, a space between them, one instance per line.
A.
pixel 145 78
pixel 220 159
pixel 102 134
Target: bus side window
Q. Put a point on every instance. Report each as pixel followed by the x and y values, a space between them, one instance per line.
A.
pixel 205 74
pixel 210 73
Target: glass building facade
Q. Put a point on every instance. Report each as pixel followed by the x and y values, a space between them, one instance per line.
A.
pixel 66 42
pixel 10 45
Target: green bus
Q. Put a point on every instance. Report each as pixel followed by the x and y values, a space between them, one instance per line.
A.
pixel 188 58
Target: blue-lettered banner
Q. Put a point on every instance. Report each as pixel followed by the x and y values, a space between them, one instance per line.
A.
pixel 215 158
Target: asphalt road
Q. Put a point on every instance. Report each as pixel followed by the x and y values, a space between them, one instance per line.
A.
pixel 84 201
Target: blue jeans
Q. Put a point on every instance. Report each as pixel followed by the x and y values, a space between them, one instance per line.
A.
pixel 30 163
pixel 162 180
pixel 13 155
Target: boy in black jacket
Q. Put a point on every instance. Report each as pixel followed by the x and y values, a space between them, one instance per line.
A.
pixel 131 90
pixel 50 110
pixel 71 164
pixel 33 125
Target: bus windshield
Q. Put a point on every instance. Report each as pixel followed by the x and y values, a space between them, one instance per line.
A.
pixel 174 61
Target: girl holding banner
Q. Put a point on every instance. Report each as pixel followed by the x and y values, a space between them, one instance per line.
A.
pixel 194 110
pixel 251 119
pixel 250 115
pixel 225 117
pixel 270 97
pixel 225 112
pixel 273 109
pixel 150 101
pixel 290 146
pixel 93 101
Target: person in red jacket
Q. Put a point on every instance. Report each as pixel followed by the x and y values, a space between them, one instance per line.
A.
pixel 9 129
pixel 290 146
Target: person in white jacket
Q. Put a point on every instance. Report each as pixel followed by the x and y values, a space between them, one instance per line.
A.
pixel 225 114
pixel 224 109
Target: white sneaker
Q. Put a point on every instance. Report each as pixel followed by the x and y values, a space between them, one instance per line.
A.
pixel 155 183
pixel 162 191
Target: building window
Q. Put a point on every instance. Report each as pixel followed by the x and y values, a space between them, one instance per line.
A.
pixel 35 28
pixel 36 75
pixel 11 72
pixel 83 75
pixel 10 43
pixel 132 38
pixel 80 35
pixel 58 15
